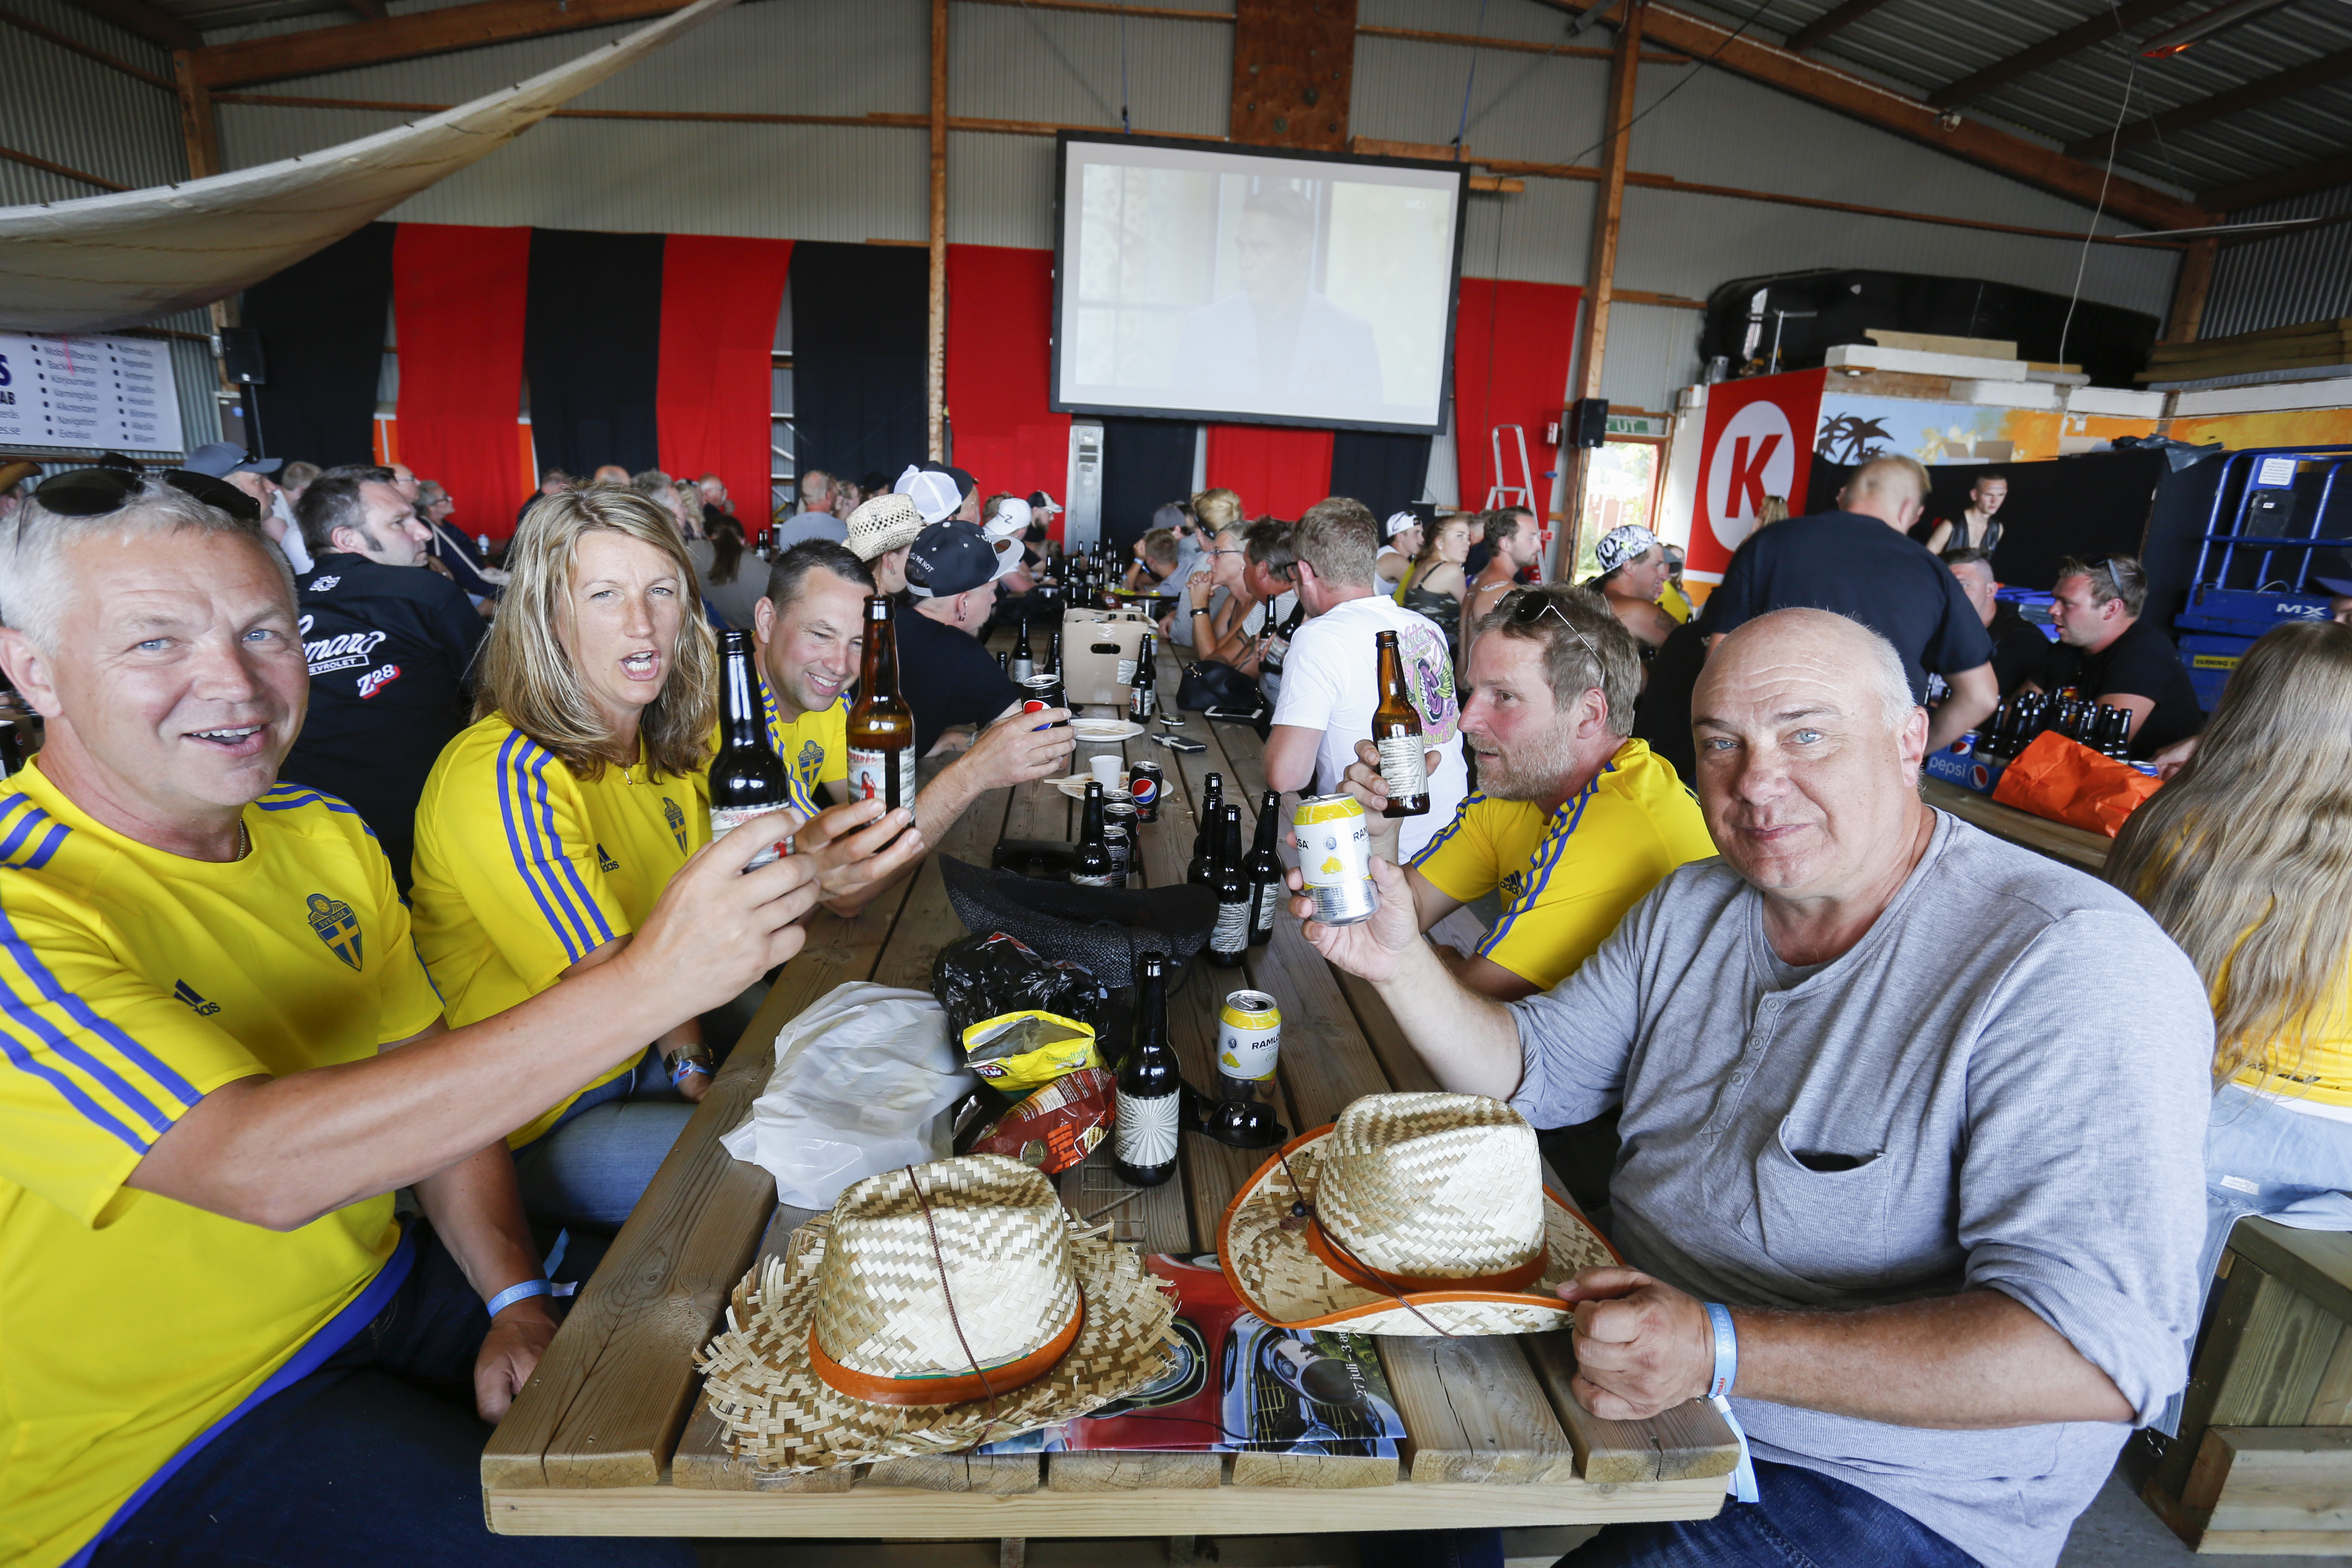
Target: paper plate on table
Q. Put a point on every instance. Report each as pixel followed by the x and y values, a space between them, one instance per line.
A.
pixel 1075 786
pixel 1104 731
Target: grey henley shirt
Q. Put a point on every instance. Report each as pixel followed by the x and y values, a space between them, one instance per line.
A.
pixel 2003 1085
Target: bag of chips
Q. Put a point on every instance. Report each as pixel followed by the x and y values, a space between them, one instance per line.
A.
pixel 1056 1127
pixel 1022 1051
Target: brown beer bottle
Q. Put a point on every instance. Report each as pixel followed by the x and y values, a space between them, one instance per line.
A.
pixel 881 726
pixel 1396 731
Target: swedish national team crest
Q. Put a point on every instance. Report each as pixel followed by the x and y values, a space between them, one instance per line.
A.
pixel 676 817
pixel 812 759
pixel 337 927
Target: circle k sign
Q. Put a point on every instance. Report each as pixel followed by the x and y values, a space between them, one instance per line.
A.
pixel 1754 455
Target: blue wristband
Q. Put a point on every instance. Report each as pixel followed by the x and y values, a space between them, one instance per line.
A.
pixel 685 1067
pixel 1718 1390
pixel 523 1292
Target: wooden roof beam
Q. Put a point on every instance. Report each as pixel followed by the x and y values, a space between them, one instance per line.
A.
pixel 1977 142
pixel 149 22
pixel 2083 35
pixel 1837 19
pixel 2266 188
pixel 406 37
pixel 2250 95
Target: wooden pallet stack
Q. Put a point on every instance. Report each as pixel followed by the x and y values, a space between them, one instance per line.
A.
pixel 2312 346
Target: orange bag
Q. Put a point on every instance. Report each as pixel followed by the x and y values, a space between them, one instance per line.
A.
pixel 2067 782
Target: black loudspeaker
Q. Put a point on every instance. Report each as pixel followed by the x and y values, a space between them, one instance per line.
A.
pixel 241 356
pixel 1588 422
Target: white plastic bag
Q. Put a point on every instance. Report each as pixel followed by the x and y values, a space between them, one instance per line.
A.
pixel 863 1083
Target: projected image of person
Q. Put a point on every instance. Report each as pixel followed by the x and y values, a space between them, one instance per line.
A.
pixel 1279 337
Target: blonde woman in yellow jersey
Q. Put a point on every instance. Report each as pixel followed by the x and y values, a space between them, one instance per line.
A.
pixel 2245 859
pixel 549 828
pixel 219 1057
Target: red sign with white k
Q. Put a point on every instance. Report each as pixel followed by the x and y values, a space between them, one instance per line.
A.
pixel 1759 442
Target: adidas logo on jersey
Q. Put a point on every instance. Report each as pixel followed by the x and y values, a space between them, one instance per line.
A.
pixel 187 993
pixel 604 861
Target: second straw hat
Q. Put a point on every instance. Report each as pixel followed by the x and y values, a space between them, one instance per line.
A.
pixel 937 1307
pixel 1412 1213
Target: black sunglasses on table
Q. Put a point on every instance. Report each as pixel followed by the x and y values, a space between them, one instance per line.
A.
pixel 95 492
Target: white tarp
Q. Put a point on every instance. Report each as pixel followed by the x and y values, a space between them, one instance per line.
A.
pixel 116 261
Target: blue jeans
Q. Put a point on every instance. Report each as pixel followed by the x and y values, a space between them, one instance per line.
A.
pixel 374 1458
pixel 1801 1519
pixel 589 1170
pixel 2262 1158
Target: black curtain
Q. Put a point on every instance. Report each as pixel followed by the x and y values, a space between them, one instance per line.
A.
pixel 321 323
pixel 1381 468
pixel 592 348
pixel 861 325
pixel 1146 463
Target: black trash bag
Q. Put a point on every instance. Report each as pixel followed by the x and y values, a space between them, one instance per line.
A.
pixel 1104 929
pixel 991 973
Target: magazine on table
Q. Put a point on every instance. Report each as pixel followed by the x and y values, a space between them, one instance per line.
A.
pixel 1237 1385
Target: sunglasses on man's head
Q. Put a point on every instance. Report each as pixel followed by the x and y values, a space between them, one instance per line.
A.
pixel 95 492
pixel 1526 607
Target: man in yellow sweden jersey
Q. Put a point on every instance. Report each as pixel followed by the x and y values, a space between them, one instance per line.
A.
pixel 1572 821
pixel 219 1342
pixel 810 630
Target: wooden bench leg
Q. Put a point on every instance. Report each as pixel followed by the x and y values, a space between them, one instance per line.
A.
pixel 1012 1551
pixel 1181 1553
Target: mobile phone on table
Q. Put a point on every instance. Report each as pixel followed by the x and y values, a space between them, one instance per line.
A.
pixel 1179 744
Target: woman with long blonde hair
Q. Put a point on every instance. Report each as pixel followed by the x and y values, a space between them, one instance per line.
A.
pixel 549 828
pixel 2245 859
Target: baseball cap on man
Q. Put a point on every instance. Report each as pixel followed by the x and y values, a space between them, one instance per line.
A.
pixel 222 458
pixel 1620 544
pixel 950 557
pixel 882 524
pixel 1043 505
pixel 1011 521
pixel 966 486
pixel 1397 523
pixel 934 493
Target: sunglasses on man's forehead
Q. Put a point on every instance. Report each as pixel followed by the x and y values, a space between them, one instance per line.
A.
pixel 95 492
pixel 1526 607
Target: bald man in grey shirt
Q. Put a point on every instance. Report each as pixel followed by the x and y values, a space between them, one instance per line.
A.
pixel 1924 1111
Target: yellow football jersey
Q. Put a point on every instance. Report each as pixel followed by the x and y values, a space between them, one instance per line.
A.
pixel 523 869
pixel 132 983
pixel 1570 876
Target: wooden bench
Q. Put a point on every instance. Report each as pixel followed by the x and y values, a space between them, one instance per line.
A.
pixel 609 1437
pixel 2263 1460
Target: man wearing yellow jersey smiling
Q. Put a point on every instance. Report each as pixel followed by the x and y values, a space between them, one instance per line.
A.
pixel 219 1056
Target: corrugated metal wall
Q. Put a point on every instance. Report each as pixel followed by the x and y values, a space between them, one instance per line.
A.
pixel 2304 276
pixel 70 109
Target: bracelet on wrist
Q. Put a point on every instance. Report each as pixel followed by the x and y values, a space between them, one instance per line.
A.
pixel 1718 1390
pixel 686 1064
pixel 513 1293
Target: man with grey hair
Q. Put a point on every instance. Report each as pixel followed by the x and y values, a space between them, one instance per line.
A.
pixel 225 1057
pixel 1927 1221
pixel 816 519
pixel 1859 563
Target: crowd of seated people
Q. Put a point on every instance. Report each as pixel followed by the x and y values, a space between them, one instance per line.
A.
pixel 339 874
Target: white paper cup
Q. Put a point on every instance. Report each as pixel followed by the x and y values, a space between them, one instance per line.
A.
pixel 1106 770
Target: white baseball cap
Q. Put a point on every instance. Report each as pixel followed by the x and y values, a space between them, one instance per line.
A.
pixel 1011 521
pixel 935 494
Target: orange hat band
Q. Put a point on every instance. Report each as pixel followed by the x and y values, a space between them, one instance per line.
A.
pixel 999 1380
pixel 1320 1242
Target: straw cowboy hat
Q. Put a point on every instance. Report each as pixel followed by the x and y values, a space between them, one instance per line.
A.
pixel 1412 1213
pixel 938 1307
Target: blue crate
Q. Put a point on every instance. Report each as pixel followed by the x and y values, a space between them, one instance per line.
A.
pixel 2245 612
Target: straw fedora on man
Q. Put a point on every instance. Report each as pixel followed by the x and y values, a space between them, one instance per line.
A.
pixel 940 1305
pixel 1412 1213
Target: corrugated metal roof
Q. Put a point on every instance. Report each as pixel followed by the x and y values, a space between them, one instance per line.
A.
pixel 2295 278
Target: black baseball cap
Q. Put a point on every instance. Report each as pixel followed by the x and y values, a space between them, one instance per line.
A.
pixel 950 557
pixel 966 486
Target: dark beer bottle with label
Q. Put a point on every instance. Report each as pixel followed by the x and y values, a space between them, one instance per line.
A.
pixel 1230 937
pixel 1201 871
pixel 1053 665
pixel 881 726
pixel 1024 663
pixel 1095 866
pixel 1264 872
pixel 1143 691
pixel 1396 731
pixel 746 777
pixel 1150 1087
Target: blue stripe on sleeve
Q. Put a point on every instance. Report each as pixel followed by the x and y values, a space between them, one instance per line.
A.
pixel 50 846
pixel 24 829
pixel 1546 860
pixel 514 811
pixel 71 1093
pixel 14 804
pixel 1461 815
pixel 604 932
pixel 27 1017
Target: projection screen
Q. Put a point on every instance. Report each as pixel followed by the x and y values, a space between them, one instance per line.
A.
pixel 1262 287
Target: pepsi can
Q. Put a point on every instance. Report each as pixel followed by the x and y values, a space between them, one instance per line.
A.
pixel 1145 784
pixel 1045 692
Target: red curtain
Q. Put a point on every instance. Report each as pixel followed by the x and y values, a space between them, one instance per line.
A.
pixel 1000 335
pixel 458 302
pixel 1511 348
pixel 720 301
pixel 1279 470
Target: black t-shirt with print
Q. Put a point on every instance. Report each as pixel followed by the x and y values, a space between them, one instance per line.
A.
pixel 2142 662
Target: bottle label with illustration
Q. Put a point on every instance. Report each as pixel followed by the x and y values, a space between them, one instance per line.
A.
pixel 1404 767
pixel 1232 931
pixel 1141 702
pixel 870 776
pixel 1269 895
pixel 1144 1134
pixel 725 819
pixel 1127 672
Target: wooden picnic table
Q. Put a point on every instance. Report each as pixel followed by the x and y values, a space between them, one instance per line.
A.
pixel 609 1436
pixel 2077 846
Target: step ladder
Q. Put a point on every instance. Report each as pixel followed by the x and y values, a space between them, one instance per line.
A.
pixel 1522 494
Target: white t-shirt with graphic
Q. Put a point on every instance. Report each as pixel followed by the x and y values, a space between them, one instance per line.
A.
pixel 1330 682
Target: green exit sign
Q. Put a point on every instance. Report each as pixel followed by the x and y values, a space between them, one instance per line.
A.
pixel 1652 425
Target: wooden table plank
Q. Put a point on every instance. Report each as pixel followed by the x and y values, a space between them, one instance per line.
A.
pixel 1687 1442
pixel 2076 847
pixel 1476 1412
